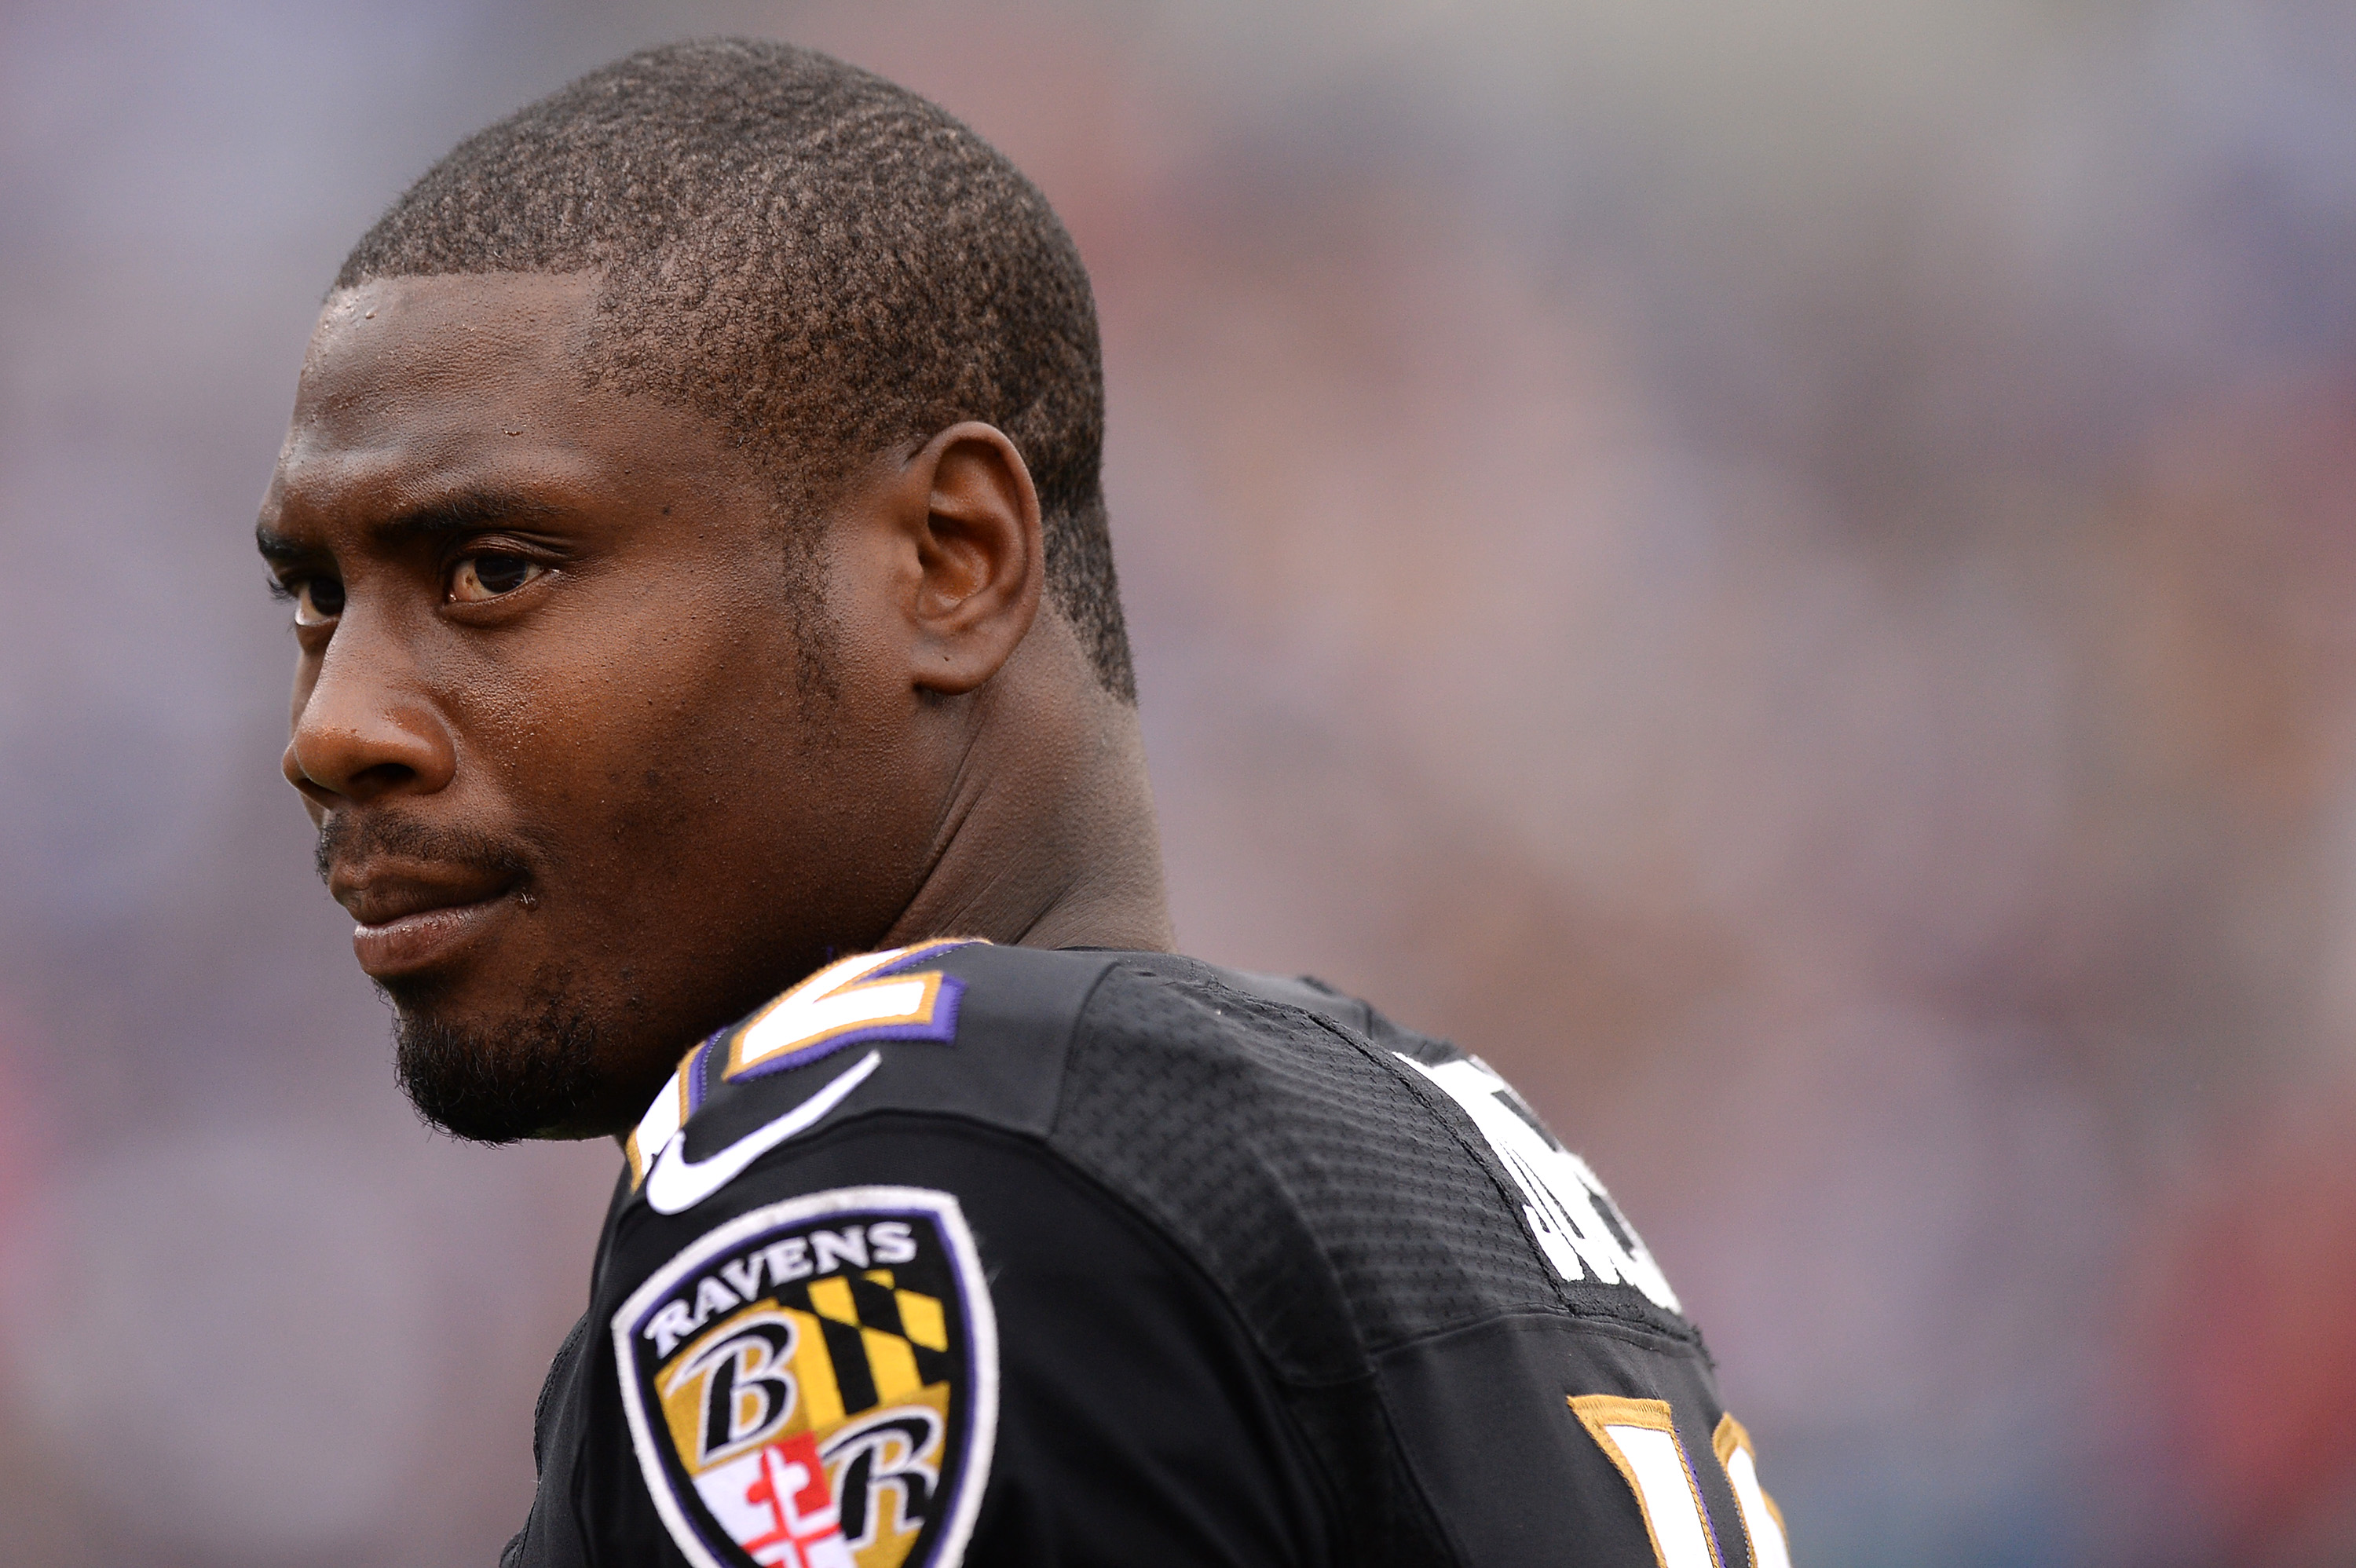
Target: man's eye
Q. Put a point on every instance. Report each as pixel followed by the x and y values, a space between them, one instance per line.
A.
pixel 317 602
pixel 481 577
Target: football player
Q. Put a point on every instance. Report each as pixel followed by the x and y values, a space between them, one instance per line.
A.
pixel 712 697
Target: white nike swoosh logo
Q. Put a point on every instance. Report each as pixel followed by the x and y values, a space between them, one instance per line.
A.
pixel 676 1184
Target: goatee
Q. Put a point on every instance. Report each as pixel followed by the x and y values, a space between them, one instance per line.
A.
pixel 495 1083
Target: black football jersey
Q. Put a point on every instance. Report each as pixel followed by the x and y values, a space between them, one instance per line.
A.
pixel 972 1255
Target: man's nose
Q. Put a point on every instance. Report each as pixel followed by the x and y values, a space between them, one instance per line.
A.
pixel 365 728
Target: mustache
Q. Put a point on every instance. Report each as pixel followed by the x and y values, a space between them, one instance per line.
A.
pixel 346 838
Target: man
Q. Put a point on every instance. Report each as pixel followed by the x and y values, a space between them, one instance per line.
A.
pixel 709 644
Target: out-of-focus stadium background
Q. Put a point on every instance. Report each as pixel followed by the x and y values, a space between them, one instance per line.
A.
pixel 1787 573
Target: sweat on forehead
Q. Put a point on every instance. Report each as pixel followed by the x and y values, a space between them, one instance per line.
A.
pixel 824 263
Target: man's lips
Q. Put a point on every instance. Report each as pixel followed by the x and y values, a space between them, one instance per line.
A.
pixel 413 918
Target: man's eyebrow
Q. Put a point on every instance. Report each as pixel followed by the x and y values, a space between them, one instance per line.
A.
pixel 460 513
pixel 456 514
pixel 277 549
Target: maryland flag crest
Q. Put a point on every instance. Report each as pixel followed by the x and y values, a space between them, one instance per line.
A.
pixel 815 1384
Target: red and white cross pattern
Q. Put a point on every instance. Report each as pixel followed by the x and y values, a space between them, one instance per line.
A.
pixel 774 1503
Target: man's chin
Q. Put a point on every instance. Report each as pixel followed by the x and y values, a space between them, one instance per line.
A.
pixel 497 1081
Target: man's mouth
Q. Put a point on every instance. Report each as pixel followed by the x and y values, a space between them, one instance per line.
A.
pixel 412 919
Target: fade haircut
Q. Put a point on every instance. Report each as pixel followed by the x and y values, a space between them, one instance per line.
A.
pixel 824 262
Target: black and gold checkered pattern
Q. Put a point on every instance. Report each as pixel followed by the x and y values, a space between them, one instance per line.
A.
pixel 882 1344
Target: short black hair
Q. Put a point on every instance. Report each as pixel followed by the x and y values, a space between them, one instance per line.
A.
pixel 820 259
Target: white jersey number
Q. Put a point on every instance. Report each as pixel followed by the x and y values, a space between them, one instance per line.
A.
pixel 1641 1440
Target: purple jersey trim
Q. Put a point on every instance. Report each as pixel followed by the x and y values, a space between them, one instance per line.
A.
pixel 696 1063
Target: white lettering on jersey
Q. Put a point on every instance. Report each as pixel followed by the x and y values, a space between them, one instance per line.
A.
pixel 1578 1228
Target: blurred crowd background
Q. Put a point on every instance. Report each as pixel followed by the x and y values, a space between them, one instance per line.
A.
pixel 1786 573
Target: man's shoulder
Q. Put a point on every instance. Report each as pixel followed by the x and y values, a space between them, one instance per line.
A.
pixel 1060 1048
pixel 1325 1160
pixel 1322 1164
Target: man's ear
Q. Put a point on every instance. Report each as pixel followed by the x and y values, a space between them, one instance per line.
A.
pixel 969 509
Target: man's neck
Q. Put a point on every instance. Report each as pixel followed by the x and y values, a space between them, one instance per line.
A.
pixel 1052 841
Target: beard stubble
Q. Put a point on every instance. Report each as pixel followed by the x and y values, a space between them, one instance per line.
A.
pixel 517 1077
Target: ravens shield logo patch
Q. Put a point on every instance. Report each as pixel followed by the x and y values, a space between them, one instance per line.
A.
pixel 815 1384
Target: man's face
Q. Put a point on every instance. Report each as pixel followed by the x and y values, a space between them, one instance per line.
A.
pixel 574 772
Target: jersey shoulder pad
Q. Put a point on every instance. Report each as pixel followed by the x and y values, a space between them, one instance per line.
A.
pixel 956 1027
pixel 1330 1167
